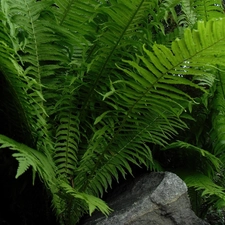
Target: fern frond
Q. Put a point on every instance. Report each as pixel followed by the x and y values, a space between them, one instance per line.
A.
pixel 188 18
pixel 77 16
pixel 41 55
pixel 27 156
pixel 67 132
pixel 16 83
pixel 208 9
pixel 40 163
pixel 204 184
pixel 107 159
pixel 115 36
pixel 145 92
pixel 76 203
pixel 213 164
pixel 218 117
pixel 196 10
pixel 24 164
pixel 92 202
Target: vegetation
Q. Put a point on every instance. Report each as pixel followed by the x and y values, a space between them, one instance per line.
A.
pixel 91 89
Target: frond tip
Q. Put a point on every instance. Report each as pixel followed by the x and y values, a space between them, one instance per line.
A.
pixel 204 184
pixel 92 201
pixel 24 164
pixel 30 157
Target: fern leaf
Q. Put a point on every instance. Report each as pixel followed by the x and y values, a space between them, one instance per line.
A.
pixel 188 18
pixel 37 38
pixel 204 184
pixel 208 9
pixel 218 120
pixel 77 15
pixel 34 158
pixel 113 38
pixel 24 164
pixel 143 94
pixel 214 162
pixel 93 202
pixel 13 74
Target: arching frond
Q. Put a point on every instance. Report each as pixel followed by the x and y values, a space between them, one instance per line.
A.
pixel 218 119
pixel 13 74
pixel 92 201
pixel 116 35
pixel 208 9
pixel 44 166
pixel 27 156
pixel 77 16
pixel 196 10
pixel 188 17
pixel 24 164
pixel 204 184
pixel 67 132
pixel 97 94
pixel 147 96
pixel 214 163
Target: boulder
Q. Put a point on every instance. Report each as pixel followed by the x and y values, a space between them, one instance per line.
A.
pixel 158 198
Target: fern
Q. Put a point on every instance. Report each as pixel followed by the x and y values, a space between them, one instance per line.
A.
pixel 13 74
pixel 95 92
pixel 214 162
pixel 92 201
pixel 45 167
pixel 67 133
pixel 208 9
pixel 39 48
pixel 24 164
pixel 188 18
pixel 77 15
pixel 154 81
pixel 205 185
pixel 113 39
pixel 217 132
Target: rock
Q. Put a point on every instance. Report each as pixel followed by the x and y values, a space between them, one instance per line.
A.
pixel 153 199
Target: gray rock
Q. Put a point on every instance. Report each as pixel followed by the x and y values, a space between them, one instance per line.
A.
pixel 154 199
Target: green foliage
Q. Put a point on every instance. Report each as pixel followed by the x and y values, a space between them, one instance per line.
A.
pixel 94 93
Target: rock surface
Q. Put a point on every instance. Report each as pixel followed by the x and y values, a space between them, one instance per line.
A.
pixel 154 199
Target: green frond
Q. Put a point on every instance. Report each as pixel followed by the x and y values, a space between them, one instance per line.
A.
pixel 40 163
pixel 41 56
pixel 46 169
pixel 188 18
pixel 24 164
pixel 15 82
pixel 76 203
pixel 213 163
pixel 208 9
pixel 92 202
pixel 77 16
pixel 218 118
pixel 147 97
pixel 110 153
pixel 196 10
pixel 204 184
pixel 116 35
pixel 67 134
